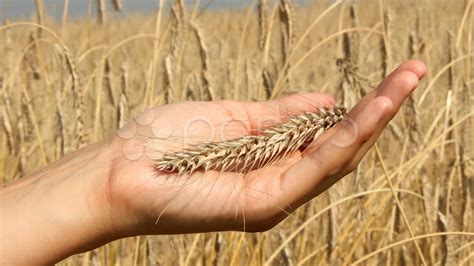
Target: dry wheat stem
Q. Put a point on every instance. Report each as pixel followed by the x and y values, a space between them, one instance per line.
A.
pixel 40 13
pixel 118 5
pixel 253 151
pixel 101 7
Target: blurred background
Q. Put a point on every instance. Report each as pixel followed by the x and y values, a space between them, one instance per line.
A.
pixel 14 9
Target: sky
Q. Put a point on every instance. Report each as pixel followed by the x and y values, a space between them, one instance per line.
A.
pixel 17 9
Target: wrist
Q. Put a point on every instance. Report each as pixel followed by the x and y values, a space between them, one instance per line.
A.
pixel 60 210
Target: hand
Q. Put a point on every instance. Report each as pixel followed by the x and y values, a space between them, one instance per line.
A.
pixel 112 189
pixel 152 202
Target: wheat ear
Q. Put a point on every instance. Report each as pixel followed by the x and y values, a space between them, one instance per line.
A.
pixel 253 151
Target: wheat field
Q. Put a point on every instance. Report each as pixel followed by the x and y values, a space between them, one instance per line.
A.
pixel 69 82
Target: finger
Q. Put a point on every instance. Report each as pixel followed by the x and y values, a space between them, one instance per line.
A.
pixel 331 160
pixel 406 82
pixel 391 87
pixel 417 67
pixel 341 151
pixel 303 180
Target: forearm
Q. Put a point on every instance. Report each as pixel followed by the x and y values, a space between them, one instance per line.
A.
pixel 58 211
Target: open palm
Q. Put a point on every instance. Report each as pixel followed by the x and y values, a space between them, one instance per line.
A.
pixel 154 202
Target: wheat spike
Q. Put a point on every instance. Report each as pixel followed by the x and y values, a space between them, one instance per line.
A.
pixel 253 151
pixel 108 82
pixel 61 130
pixel 173 66
pixel 77 93
pixel 287 17
pixel 385 46
pixel 288 21
pixel 263 23
pixel 205 62
pixel 122 109
pixel 7 124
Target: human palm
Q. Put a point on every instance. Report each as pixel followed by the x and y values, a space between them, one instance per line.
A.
pixel 149 201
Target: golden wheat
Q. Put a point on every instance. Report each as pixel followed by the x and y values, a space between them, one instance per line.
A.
pixel 356 220
pixel 253 151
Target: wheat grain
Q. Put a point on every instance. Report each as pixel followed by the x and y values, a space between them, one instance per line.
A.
pixel 253 151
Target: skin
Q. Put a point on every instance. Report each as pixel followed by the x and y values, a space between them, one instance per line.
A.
pixel 111 189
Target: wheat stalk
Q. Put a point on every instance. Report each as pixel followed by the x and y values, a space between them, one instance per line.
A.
pixel 118 5
pixel 64 18
pixel 253 151
pixel 102 16
pixel 40 14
